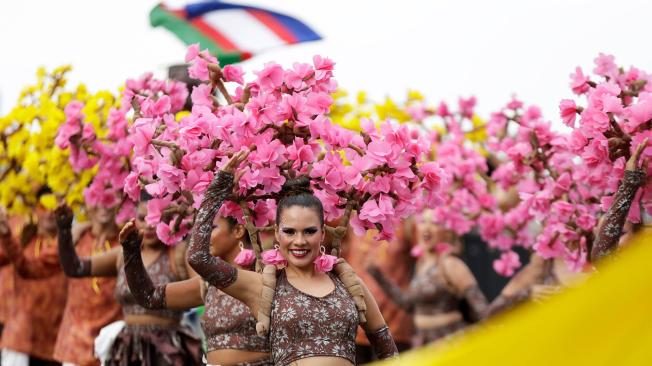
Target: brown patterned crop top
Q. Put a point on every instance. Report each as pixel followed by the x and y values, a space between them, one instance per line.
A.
pixel 160 272
pixel 228 324
pixel 304 326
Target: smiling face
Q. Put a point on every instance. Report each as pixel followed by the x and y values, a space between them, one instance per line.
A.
pixel 299 235
pixel 431 234
pixel 148 231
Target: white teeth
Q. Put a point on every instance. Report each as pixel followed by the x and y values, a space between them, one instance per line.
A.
pixel 299 251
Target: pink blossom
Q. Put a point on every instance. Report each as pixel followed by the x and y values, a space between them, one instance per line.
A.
pixel 640 112
pixel 377 211
pixel 192 52
pixel 245 258
pixel 417 251
pixel 273 257
pixel 324 263
pixel 233 73
pixel 433 176
pixel 507 264
pixel 605 65
pixel 596 152
pixel 201 95
pixel 271 77
pixel 577 140
pixel 168 236
pixel 568 112
pixel 579 82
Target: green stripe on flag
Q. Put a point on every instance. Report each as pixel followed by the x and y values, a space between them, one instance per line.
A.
pixel 187 33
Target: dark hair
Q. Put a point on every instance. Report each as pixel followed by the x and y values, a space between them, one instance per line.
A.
pixel 144 196
pixel 232 222
pixel 297 192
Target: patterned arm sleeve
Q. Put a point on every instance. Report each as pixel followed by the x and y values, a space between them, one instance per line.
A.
pixel 213 269
pixel 476 300
pixel 140 284
pixel 383 343
pixel 404 300
pixel 73 266
pixel 503 302
pixel 611 228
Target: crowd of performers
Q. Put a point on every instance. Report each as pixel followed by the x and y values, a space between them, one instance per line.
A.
pixel 90 292
pixel 62 284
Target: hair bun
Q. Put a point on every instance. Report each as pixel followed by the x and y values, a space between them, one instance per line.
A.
pixel 296 186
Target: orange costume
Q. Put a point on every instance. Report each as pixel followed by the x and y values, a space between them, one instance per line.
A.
pixel 91 305
pixel 39 296
pixel 394 258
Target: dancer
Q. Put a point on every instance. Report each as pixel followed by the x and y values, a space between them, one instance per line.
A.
pixel 313 317
pixel 91 303
pixel 394 258
pixel 150 337
pixel 39 290
pixel 442 281
pixel 228 325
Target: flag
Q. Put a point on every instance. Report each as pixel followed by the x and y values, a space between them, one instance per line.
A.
pixel 232 32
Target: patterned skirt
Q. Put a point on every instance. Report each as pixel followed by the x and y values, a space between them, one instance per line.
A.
pixel 155 345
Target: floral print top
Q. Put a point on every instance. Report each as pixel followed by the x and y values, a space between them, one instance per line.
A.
pixel 228 324
pixel 304 326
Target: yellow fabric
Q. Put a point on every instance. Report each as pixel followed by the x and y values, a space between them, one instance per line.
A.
pixel 606 321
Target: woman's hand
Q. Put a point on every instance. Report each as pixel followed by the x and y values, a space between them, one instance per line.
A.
pixel 63 216
pixel 633 162
pixel 130 237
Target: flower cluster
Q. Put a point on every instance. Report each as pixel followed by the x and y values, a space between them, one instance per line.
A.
pixel 281 115
pixel 29 159
pixel 557 210
pixel 615 119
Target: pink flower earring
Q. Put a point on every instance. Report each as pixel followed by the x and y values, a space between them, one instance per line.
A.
pixel 324 262
pixel 245 258
pixel 274 257
pixel 417 251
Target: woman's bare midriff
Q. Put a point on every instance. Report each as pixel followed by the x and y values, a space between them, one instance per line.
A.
pixel 428 322
pixel 148 320
pixel 320 361
pixel 226 357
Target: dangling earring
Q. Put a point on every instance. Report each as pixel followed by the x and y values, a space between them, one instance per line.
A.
pixel 324 262
pixel 274 257
pixel 417 251
pixel 245 258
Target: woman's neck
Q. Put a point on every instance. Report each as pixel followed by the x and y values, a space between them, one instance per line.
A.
pixel 293 271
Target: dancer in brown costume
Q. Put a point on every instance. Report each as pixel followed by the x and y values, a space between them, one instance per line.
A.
pixel 394 259
pixel 228 325
pixel 150 337
pixel 442 281
pixel 313 317
pixel 542 278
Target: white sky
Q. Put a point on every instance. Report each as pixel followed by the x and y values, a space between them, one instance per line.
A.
pixel 489 49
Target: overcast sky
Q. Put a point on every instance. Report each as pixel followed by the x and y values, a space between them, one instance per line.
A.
pixel 490 49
